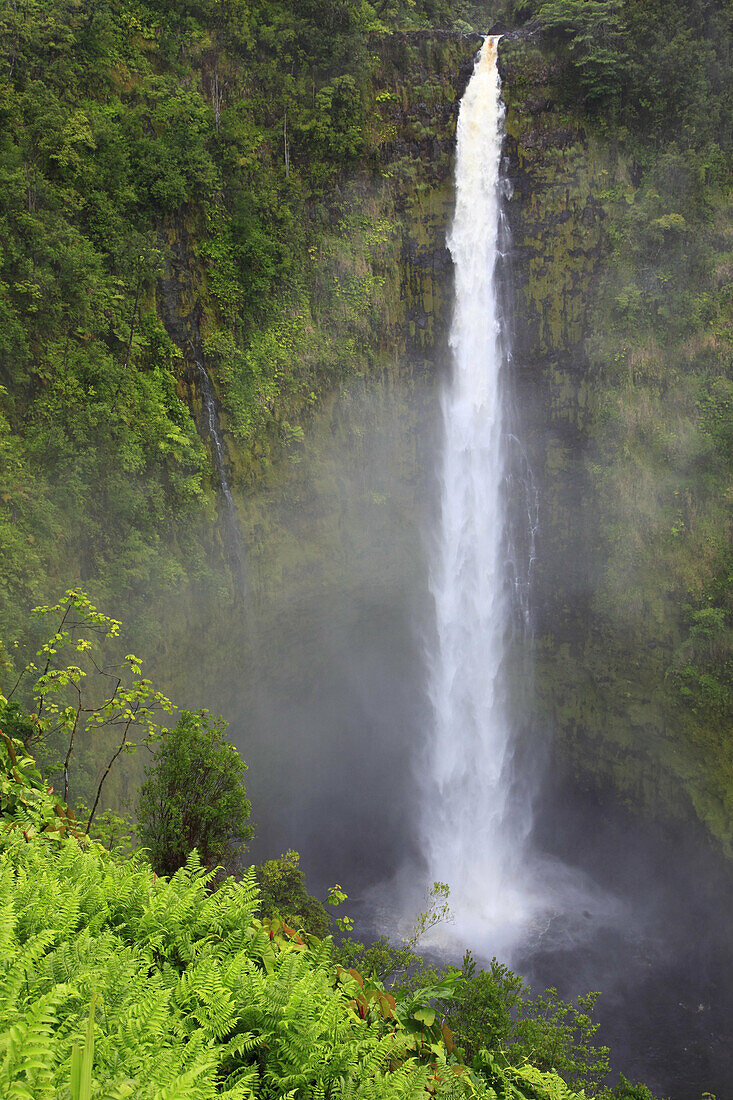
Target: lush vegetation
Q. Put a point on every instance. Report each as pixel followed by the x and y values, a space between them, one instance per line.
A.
pixel 172 970
pixel 197 179
pixel 170 173
pixel 663 346
pixel 117 982
pixel 200 180
pixel 646 88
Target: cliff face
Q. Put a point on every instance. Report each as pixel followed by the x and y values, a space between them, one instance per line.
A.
pixel 610 583
pixel 300 257
pixel 361 482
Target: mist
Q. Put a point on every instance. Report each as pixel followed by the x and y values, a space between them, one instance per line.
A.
pixel 323 686
pixel 322 662
pixel 321 672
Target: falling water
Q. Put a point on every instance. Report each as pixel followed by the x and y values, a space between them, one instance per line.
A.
pixel 473 834
pixel 208 404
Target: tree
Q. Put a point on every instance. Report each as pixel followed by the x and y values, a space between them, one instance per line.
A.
pixel 194 797
pixel 485 1008
pixel 80 694
pixel 594 31
pixel 283 894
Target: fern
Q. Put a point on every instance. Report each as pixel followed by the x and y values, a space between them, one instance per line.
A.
pixel 194 997
pixel 26 1050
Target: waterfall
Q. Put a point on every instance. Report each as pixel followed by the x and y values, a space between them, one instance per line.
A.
pixel 210 411
pixel 473 831
pixel 208 404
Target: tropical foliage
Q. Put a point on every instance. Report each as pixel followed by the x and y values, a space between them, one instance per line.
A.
pixel 119 983
pixel 169 172
pixel 646 88
pixel 193 797
pixel 198 178
pixel 89 701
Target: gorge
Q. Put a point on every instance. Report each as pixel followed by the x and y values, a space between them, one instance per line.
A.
pixel 278 488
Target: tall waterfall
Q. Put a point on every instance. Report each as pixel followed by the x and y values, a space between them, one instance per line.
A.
pixel 473 838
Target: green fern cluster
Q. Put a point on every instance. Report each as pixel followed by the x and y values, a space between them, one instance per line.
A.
pixel 193 996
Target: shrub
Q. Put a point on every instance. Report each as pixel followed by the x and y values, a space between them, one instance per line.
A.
pixel 283 894
pixel 194 797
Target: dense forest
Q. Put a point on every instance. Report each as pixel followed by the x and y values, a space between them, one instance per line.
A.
pixel 204 209
pixel 129 131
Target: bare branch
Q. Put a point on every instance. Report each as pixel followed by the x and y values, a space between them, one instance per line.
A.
pixel 107 770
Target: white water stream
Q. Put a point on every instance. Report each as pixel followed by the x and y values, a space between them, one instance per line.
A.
pixel 473 839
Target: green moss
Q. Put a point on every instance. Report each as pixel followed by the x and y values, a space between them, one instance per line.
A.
pixel 630 533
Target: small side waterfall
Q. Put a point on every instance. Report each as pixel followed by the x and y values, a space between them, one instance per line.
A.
pixel 473 837
pixel 211 419
pixel 177 284
pixel 208 403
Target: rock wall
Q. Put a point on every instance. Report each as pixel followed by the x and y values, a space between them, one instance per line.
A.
pixel 601 688
pixel 333 522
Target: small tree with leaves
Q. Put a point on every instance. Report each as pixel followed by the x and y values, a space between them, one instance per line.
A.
pixel 80 691
pixel 283 894
pixel 194 797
